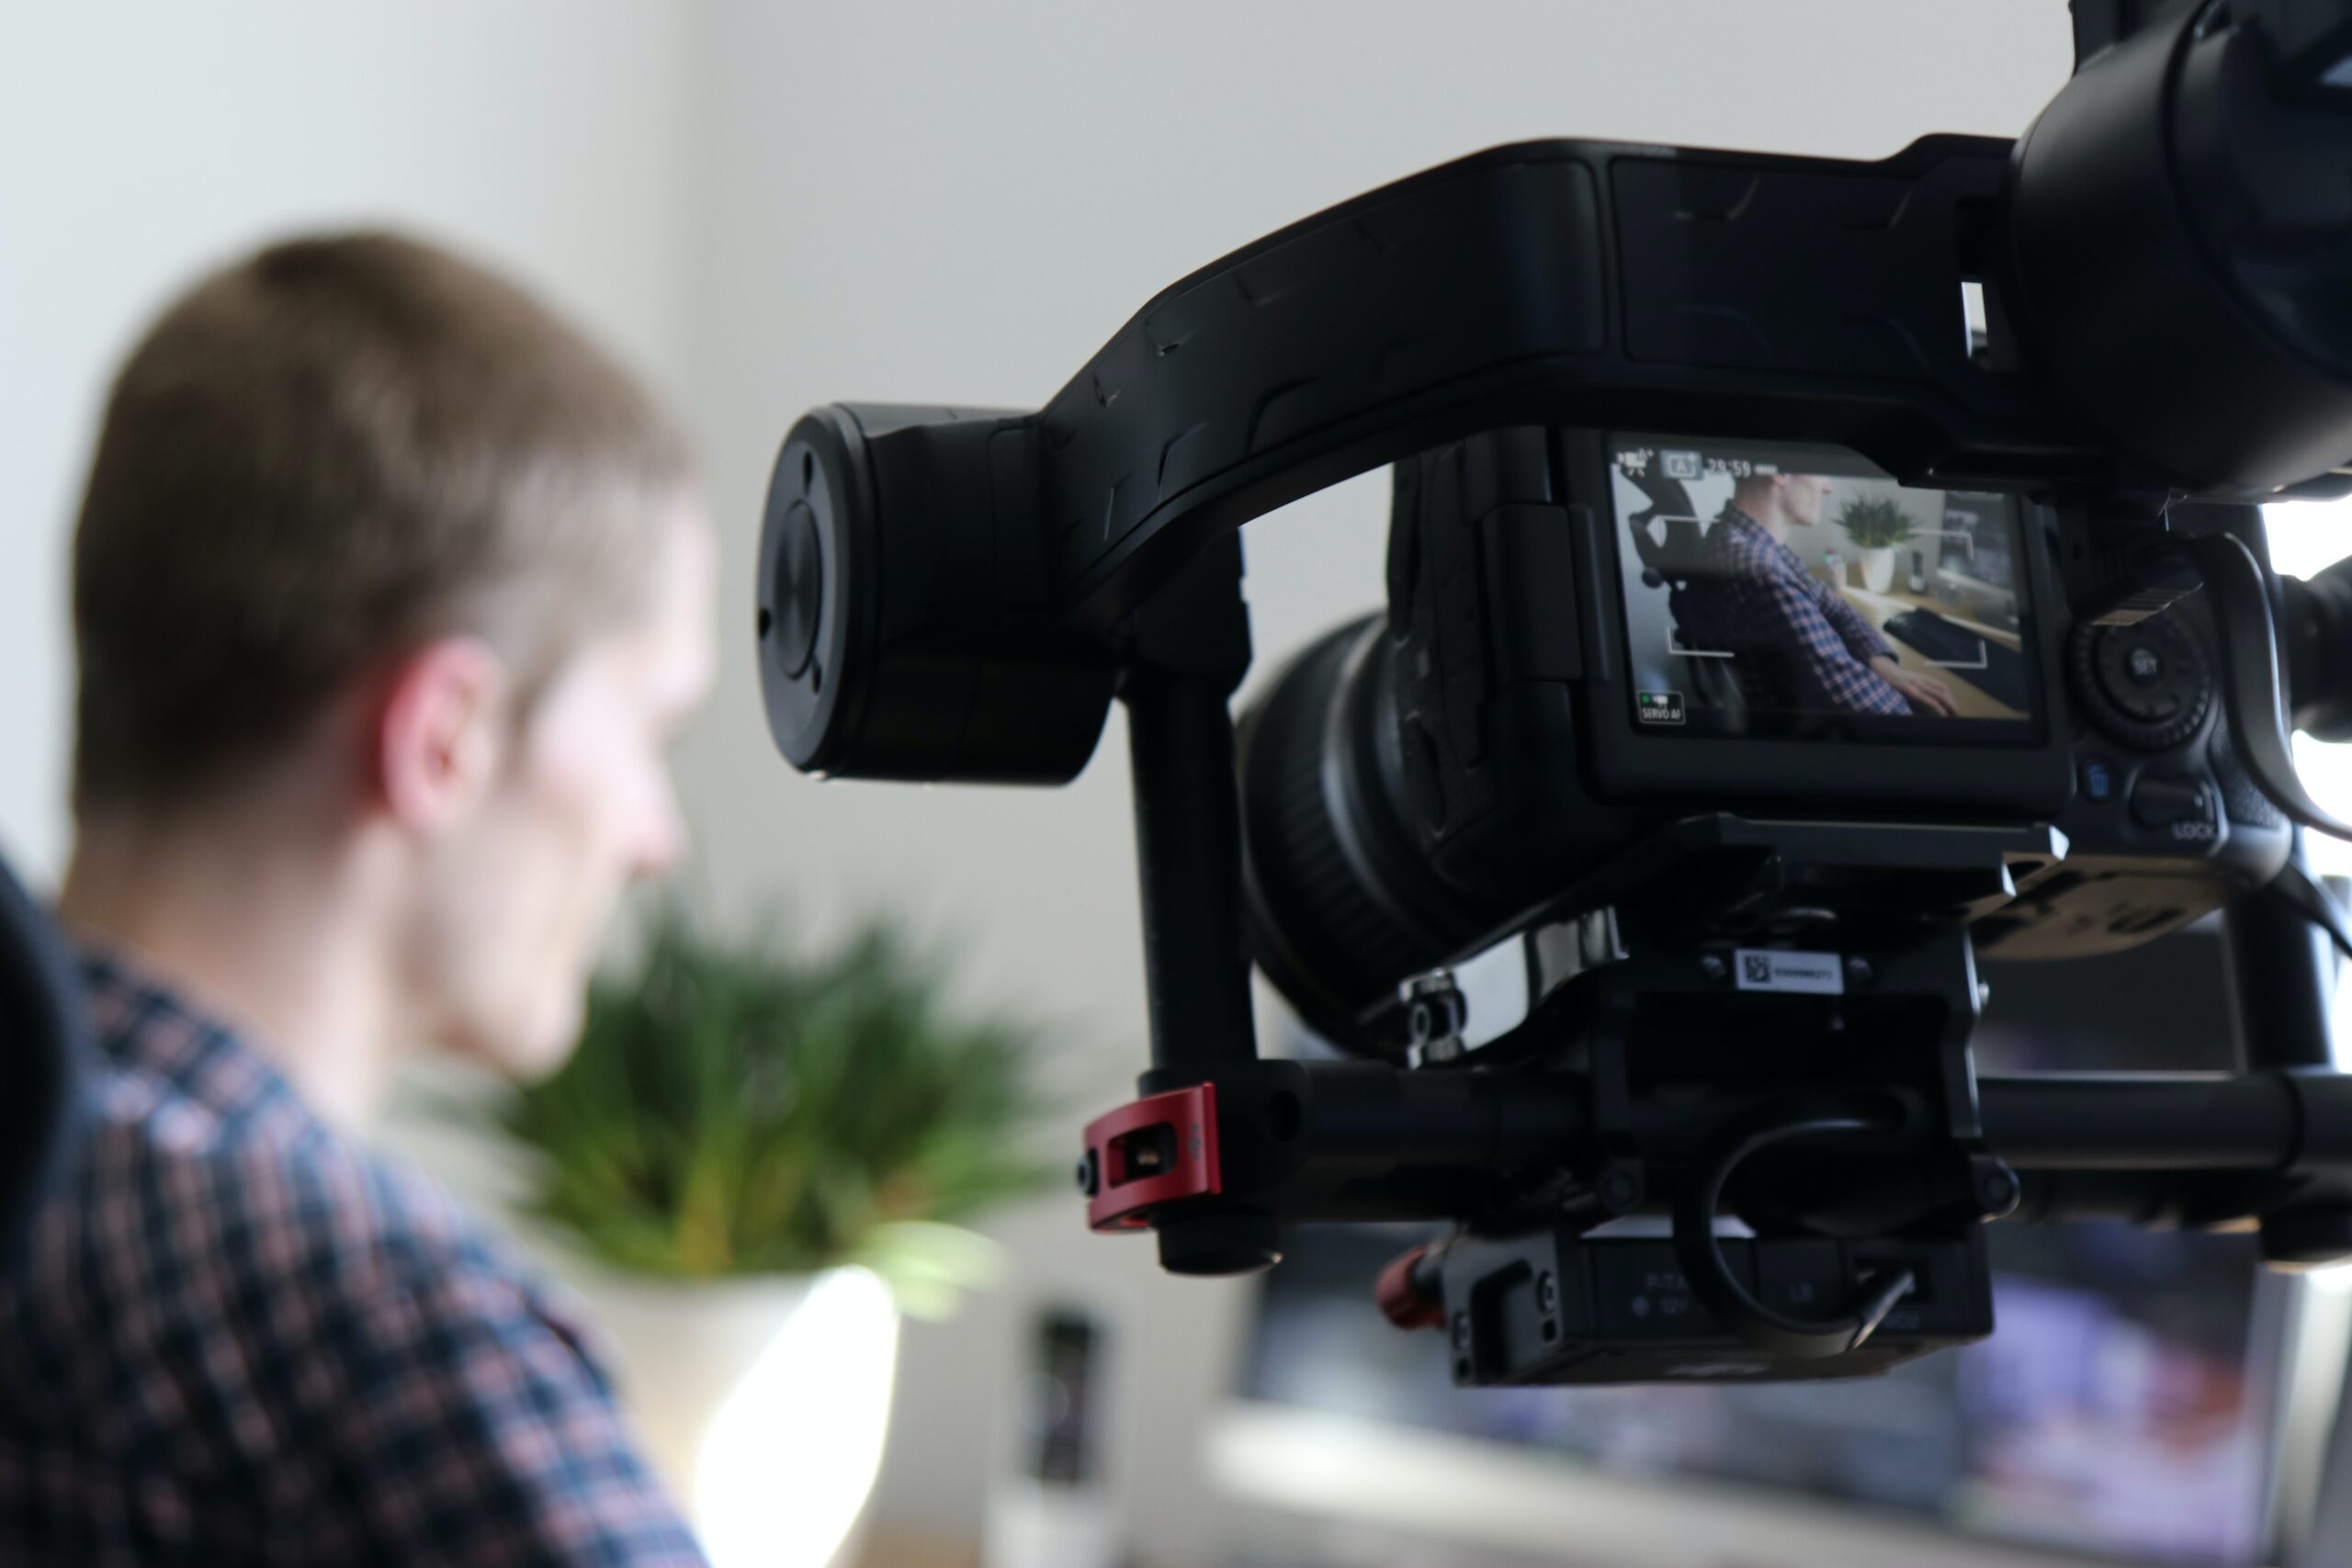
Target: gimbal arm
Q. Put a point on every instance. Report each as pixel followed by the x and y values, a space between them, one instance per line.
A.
pixel 1550 282
pixel 962 561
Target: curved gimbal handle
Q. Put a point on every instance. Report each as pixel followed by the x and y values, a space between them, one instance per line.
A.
pixel 926 571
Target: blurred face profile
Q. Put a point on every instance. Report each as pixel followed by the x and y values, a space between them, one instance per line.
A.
pixel 1802 496
pixel 517 896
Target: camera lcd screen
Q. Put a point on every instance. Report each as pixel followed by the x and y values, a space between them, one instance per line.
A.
pixel 1796 591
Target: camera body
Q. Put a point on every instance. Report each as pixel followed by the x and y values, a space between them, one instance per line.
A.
pixel 1536 698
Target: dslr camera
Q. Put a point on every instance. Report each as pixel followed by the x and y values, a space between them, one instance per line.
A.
pixel 1804 576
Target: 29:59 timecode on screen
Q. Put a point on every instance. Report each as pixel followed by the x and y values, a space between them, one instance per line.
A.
pixel 1683 464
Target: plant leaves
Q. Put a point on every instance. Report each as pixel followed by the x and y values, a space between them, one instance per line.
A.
pixel 735 1108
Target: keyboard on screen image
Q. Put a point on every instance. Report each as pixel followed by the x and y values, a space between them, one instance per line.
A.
pixel 1994 668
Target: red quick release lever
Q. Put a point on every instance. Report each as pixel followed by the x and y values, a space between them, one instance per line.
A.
pixel 1410 1293
pixel 1154 1151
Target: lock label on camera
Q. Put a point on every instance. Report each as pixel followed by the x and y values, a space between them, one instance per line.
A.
pixel 1806 974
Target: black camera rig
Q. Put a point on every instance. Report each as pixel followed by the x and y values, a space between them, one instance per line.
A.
pixel 1612 931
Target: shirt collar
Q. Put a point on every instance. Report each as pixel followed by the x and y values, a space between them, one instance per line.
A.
pixel 1735 516
pixel 145 1024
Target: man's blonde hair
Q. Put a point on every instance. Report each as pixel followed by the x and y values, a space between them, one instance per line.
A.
pixel 322 456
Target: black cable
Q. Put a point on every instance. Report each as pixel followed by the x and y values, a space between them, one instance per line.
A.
pixel 2252 699
pixel 2315 904
pixel 1709 1273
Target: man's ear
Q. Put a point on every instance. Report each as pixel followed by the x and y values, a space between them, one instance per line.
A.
pixel 439 734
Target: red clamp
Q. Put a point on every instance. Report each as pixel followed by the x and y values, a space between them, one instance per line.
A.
pixel 1407 1291
pixel 1154 1151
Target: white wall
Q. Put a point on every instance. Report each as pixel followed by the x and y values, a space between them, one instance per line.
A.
pixel 140 143
pixel 958 204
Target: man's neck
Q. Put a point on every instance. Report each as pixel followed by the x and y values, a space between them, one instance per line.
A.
pixel 1767 515
pixel 274 925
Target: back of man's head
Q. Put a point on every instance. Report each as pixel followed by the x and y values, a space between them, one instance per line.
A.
pixel 325 454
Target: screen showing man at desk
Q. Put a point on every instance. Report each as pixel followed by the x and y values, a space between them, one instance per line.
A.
pixel 1791 589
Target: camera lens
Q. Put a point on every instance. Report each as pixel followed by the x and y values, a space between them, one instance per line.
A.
pixel 1341 902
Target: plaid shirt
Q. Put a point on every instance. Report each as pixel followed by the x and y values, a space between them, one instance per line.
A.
pixel 1800 645
pixel 241 1339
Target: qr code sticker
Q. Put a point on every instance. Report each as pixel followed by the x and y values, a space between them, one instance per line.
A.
pixel 1757 966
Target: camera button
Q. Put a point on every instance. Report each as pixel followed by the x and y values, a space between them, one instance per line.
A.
pixel 2102 781
pixel 2160 800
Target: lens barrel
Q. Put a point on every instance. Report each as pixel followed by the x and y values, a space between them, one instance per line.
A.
pixel 1340 900
pixel 2316 628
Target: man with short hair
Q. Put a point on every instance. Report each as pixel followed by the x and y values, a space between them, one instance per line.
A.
pixel 389 589
pixel 1799 646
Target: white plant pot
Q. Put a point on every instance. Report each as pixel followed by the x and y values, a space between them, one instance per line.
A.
pixel 763 1402
pixel 1878 569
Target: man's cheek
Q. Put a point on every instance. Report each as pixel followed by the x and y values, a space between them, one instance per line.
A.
pixel 574 768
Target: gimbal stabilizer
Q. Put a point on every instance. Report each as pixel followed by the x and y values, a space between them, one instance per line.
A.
pixel 1739 992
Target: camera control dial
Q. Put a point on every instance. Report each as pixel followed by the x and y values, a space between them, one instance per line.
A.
pixel 2148 686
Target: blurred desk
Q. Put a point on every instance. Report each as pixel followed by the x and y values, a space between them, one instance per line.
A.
pixel 1971 700
pixel 894 1548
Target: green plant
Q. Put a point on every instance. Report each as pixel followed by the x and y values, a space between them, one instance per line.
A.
pixel 1875 523
pixel 733 1109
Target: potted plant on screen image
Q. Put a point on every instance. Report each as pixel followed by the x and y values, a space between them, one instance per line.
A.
pixel 1878 527
pixel 763 1159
